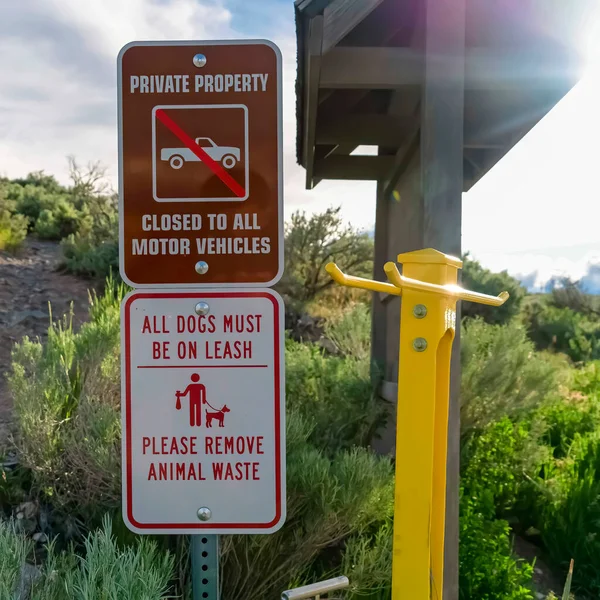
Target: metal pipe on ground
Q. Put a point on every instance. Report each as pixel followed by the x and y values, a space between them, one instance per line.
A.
pixel 314 590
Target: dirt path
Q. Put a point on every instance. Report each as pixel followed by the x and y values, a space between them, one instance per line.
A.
pixel 28 281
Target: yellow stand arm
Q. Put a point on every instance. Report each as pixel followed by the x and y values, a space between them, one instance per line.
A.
pixel 429 291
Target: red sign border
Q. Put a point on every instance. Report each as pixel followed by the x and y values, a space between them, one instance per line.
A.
pixel 126 453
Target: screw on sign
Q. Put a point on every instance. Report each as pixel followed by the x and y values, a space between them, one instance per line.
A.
pixel 200 158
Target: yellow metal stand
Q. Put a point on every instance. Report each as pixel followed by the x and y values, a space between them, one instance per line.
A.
pixel 429 291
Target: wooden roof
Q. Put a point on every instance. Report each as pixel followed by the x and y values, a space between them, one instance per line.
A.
pixel 360 69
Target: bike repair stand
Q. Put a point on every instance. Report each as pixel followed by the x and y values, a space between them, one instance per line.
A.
pixel 205 564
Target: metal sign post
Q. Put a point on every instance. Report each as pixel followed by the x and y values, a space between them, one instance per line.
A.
pixel 205 566
pixel 201 208
pixel 429 293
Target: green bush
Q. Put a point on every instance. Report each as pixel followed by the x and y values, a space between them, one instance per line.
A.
pixel 351 332
pixel 105 571
pixel 493 467
pixel 502 374
pixel 488 571
pixel 85 213
pixel 312 242
pixel 476 278
pixel 13 230
pixel 569 515
pixel 330 499
pixel 57 223
pixel 94 249
pixel 66 402
pixel 562 329
pixel 335 394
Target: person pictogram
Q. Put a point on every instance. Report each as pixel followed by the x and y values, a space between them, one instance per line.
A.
pixel 197 393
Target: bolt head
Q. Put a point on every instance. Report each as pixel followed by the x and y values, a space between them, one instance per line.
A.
pixel 199 60
pixel 420 311
pixel 204 514
pixel 420 344
pixel 201 267
pixel 202 308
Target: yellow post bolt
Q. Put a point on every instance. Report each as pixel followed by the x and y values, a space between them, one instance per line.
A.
pixel 429 291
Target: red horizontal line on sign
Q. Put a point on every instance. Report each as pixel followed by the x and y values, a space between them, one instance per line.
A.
pixel 202 366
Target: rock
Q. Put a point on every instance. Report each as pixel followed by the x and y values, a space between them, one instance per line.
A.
pixel 28 509
pixel 40 537
pixel 28 576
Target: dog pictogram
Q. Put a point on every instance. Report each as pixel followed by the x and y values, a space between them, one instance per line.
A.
pixel 219 415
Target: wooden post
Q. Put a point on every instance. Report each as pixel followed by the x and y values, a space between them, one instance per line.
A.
pixel 426 213
pixel 442 181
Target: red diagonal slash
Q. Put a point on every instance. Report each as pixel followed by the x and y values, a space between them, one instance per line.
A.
pixel 213 165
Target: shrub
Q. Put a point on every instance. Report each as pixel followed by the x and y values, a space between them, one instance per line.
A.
pixel 569 516
pixel 493 464
pixel 488 571
pixel 502 374
pixel 13 230
pixel 140 572
pixel 94 249
pixel 351 332
pixel 478 279
pixel 312 242
pixel 66 402
pixel 335 394
pixel 330 499
pixel 58 222
pixel 563 330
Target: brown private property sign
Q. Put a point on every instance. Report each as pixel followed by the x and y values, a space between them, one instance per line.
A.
pixel 200 160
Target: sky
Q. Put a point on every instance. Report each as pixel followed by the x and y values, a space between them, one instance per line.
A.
pixel 536 214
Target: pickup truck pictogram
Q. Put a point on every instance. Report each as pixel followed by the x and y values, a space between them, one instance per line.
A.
pixel 228 156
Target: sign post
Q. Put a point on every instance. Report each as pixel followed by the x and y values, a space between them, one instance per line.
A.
pixel 201 237
pixel 429 293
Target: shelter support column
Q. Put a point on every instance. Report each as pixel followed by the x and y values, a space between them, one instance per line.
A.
pixel 425 211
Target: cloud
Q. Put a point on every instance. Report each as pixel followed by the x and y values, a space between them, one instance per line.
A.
pixel 538 269
pixel 58 84
pixel 58 80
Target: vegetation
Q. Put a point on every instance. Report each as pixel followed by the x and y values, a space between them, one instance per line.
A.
pixel 530 438
pixel 312 242
pixel 140 572
pixel 83 216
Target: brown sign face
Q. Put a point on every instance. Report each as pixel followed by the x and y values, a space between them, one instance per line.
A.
pixel 200 155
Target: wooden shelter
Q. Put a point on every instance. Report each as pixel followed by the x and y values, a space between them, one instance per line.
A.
pixel 444 89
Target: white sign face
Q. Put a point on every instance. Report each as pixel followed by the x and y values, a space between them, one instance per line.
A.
pixel 203 412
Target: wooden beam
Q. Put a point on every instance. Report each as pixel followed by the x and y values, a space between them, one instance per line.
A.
pixel 311 8
pixel 390 68
pixel 364 129
pixel 342 16
pixel 371 68
pixel 311 93
pixel 353 167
